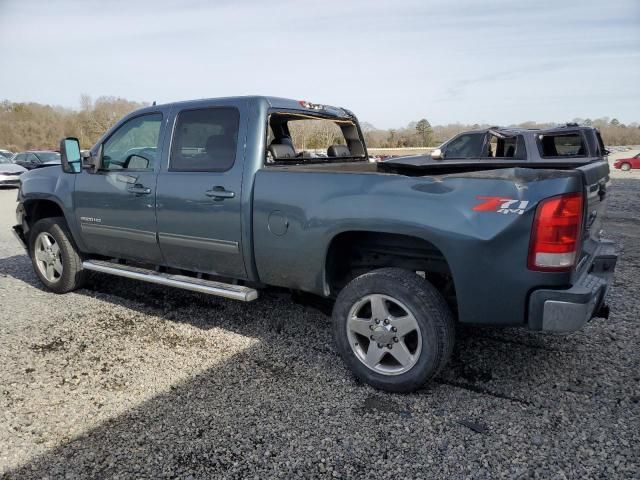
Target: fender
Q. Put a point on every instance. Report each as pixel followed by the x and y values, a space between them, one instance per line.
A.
pixel 53 185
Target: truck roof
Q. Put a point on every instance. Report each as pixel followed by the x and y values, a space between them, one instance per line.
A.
pixel 272 102
pixel 508 131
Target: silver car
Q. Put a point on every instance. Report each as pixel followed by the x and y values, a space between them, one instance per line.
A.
pixel 10 173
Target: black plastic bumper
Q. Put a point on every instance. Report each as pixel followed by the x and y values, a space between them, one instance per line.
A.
pixel 568 310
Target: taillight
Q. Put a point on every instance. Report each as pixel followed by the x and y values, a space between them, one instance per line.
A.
pixel 555 237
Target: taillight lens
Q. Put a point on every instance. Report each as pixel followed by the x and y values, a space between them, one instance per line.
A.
pixel 555 238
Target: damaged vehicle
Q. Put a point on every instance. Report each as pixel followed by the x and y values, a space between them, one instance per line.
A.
pixel 230 196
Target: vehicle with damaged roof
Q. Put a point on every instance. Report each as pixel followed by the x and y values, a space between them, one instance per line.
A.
pixel 567 142
pixel 229 196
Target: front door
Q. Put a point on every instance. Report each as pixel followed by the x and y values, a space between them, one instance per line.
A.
pixel 199 193
pixel 116 205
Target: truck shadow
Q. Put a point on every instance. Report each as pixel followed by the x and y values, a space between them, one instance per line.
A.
pixel 265 400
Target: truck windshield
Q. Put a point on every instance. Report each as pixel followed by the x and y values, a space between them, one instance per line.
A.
pixel 296 138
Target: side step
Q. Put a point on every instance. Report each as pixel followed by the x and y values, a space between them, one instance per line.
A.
pixel 226 290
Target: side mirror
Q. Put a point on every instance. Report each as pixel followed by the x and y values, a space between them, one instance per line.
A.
pixel 437 154
pixel 70 155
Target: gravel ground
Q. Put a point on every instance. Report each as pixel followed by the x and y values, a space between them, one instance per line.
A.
pixel 124 379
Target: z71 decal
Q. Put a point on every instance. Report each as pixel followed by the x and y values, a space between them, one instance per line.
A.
pixel 501 205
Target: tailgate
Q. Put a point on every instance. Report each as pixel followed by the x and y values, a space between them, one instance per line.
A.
pixel 596 180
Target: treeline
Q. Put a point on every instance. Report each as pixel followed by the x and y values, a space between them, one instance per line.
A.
pixel 25 126
pixel 31 126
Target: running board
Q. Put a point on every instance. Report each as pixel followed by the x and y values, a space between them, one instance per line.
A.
pixel 226 290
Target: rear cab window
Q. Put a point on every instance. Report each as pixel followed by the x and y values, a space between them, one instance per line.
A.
pixel 300 138
pixel 561 145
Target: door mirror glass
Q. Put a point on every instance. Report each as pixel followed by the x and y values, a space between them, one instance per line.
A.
pixel 437 154
pixel 70 155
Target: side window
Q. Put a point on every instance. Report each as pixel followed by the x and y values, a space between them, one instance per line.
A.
pixel 501 147
pixel 561 145
pixel 32 158
pixel 465 146
pixel 134 145
pixel 205 140
pixel 21 157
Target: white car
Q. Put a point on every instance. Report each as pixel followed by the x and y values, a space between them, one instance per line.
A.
pixel 10 173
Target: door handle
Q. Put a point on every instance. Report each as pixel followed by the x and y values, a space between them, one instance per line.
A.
pixel 139 190
pixel 220 193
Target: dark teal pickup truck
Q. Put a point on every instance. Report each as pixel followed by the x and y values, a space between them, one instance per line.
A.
pixel 229 196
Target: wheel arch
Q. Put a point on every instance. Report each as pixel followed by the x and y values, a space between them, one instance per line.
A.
pixel 35 209
pixel 354 252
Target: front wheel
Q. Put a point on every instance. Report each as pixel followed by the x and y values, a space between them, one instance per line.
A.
pixel 54 256
pixel 625 166
pixel 393 329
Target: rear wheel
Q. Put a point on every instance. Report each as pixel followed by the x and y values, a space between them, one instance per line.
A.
pixel 55 258
pixel 625 166
pixel 393 329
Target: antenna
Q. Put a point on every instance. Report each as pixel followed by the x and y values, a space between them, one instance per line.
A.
pixel 154 103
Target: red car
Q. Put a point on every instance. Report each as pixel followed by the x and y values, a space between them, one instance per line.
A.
pixel 628 163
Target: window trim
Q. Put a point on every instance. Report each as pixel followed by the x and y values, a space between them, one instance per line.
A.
pixel 173 134
pixel 117 127
pixel 580 133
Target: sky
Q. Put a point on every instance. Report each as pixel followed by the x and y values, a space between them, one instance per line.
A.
pixel 391 62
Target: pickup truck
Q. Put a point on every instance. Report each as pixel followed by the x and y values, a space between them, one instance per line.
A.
pixel 229 196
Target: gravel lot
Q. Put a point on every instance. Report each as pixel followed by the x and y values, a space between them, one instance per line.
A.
pixel 124 379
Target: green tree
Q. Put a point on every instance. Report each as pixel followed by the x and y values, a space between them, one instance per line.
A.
pixel 423 127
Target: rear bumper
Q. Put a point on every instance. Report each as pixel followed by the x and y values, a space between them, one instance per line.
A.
pixel 568 310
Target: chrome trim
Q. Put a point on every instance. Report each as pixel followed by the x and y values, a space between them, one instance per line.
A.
pixel 118 232
pixel 213 244
pixel 234 292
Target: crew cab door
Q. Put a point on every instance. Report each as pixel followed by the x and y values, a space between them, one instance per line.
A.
pixel 115 206
pixel 199 190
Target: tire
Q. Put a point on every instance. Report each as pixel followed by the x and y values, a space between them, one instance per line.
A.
pixel 625 166
pixel 392 291
pixel 46 257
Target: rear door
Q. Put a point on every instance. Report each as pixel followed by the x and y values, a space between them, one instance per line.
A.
pixel 199 190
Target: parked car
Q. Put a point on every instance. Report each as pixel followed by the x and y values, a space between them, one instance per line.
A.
pixel 499 144
pixel 36 159
pixel 6 154
pixel 10 173
pixel 191 196
pixel 627 164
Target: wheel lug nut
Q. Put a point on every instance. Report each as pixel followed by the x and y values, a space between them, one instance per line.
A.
pixel 395 339
pixel 394 329
pixel 386 321
pixel 389 346
pixel 377 320
pixel 379 345
pixel 371 327
pixel 371 337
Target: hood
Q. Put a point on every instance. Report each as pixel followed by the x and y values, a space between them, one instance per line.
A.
pixel 11 168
